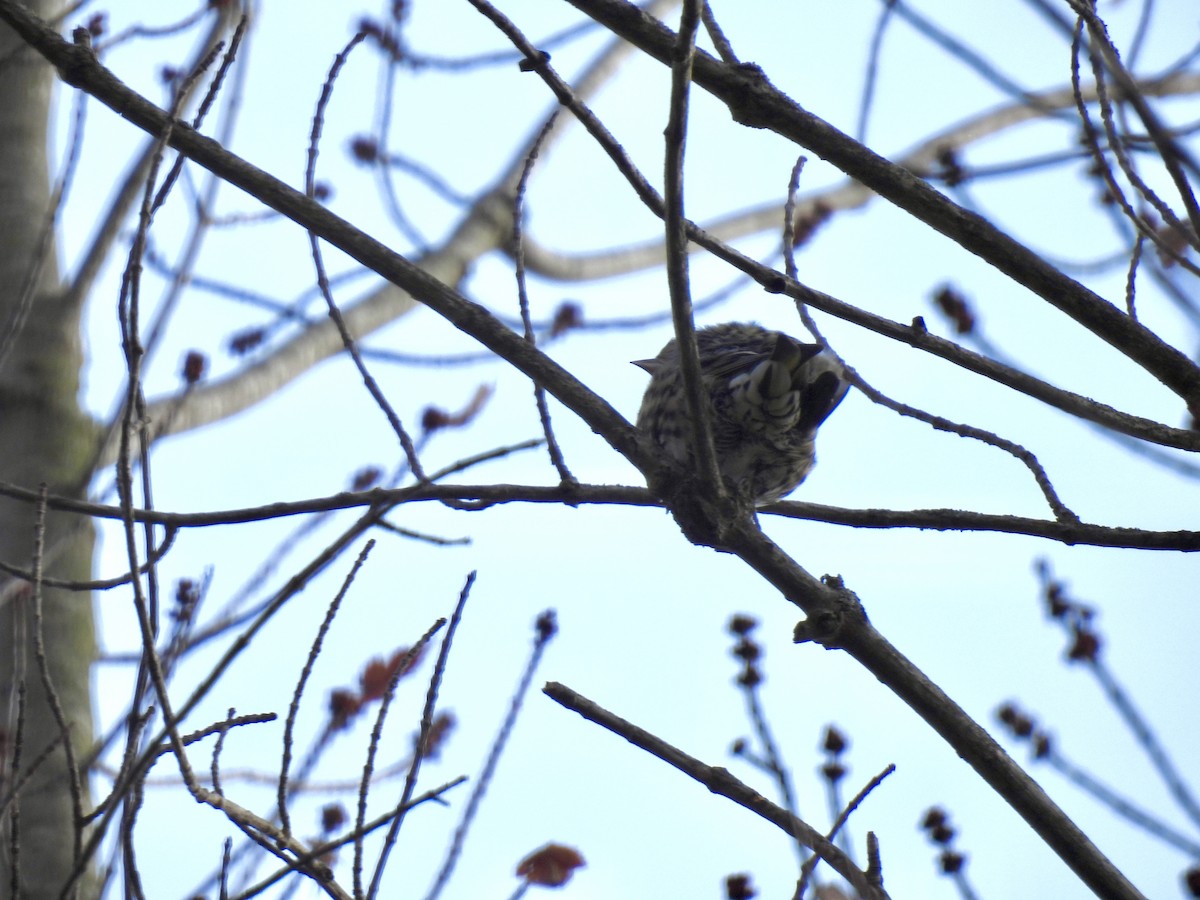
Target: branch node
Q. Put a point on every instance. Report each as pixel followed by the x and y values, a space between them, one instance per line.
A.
pixel 707 518
pixel 534 64
pixel 843 614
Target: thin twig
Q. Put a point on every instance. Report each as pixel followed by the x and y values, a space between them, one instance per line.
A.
pixel 810 865
pixel 400 668
pixel 539 392
pixel 487 495
pixel 294 707
pixel 1147 739
pixel 1131 278
pixel 698 405
pixel 718 781
pixel 717 36
pixel 1091 139
pixel 1170 152
pixel 1061 512
pixel 871 76
pixel 181 274
pixel 99 584
pixel 52 698
pixel 1116 143
pixel 12 801
pixel 335 313
pixel 222 730
pixel 545 630
pixel 1149 821
pixel 410 782
pixel 320 850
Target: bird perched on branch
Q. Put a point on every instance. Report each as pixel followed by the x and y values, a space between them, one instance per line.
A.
pixel 768 394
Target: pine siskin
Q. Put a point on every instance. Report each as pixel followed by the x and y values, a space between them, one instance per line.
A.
pixel 769 394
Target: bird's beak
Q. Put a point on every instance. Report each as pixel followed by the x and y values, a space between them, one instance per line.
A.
pixel 649 365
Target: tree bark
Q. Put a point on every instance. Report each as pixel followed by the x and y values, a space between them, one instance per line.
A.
pixel 45 437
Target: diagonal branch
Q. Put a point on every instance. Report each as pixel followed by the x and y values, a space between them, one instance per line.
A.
pixel 719 781
pixel 836 620
pixel 79 67
pixel 756 103
pixel 485 227
pixel 773 282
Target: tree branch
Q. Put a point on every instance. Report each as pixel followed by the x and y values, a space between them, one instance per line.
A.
pixel 79 67
pixel 482 496
pixel 719 781
pixel 756 103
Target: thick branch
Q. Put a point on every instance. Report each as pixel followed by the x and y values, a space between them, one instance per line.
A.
pixel 837 620
pixel 756 103
pixel 79 67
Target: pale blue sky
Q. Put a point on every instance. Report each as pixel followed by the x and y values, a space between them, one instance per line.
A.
pixel 643 613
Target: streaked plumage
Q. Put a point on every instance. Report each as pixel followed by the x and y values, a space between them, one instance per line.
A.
pixel 769 395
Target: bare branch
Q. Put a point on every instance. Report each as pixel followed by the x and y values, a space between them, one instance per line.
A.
pixel 754 102
pixel 717 780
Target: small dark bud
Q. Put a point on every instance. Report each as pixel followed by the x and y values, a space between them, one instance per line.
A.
pixel 343 707
pixel 954 306
pixel 742 624
pixel 952 172
pixel 835 741
pixel 364 149
pixel 187 596
pixel 569 315
pixel 366 478
pixel 747 651
pixel 333 816
pixel 546 625
pixel 433 418
pixel 750 677
pixel 1056 604
pixel 1086 646
pixel 1041 745
pixel 952 862
pixel 833 772
pixel 942 834
pixel 194 365
pixel 738 887
pixel 245 341
pixel 1017 721
pixel 935 817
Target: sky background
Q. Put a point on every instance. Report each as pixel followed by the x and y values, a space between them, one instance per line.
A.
pixel 643 613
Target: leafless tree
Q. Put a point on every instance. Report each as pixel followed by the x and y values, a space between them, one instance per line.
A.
pixel 71 812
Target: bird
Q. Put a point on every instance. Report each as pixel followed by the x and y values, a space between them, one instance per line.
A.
pixel 768 395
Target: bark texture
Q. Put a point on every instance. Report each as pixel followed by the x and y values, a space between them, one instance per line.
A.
pixel 44 438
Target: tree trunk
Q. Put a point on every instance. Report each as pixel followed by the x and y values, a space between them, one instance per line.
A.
pixel 45 437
